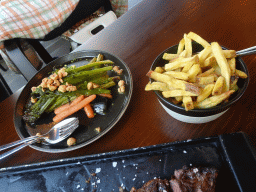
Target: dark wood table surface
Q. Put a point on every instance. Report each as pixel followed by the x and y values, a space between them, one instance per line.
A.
pixel 137 38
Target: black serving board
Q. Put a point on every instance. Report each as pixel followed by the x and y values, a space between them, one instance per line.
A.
pixel 231 154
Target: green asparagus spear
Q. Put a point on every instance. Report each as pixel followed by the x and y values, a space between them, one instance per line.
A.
pixel 88 66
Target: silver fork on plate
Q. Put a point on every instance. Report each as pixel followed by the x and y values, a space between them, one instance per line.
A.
pixel 57 133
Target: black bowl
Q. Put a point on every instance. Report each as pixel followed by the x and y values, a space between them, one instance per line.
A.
pixel 199 115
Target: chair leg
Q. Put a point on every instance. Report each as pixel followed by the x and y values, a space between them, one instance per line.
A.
pixel 107 6
pixel 42 52
pixel 2 67
pixel 5 89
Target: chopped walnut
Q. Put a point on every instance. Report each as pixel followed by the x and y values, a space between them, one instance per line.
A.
pixel 62 73
pixel 62 88
pixel 71 141
pixel 33 100
pixel 120 72
pixel 89 85
pixel 54 76
pixel 43 84
pixel 45 80
pixel 71 88
pixel 49 82
pixel 121 83
pixel 52 87
pixel 98 129
pixel 56 82
pixel 94 85
pixel 121 89
pixel 117 70
pixel 33 89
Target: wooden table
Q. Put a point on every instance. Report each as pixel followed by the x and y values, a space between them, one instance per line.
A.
pixel 137 38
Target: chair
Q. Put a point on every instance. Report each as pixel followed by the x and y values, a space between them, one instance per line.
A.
pixel 5 90
pixel 27 65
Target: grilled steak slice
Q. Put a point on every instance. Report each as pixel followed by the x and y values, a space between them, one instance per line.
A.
pixel 194 179
pixel 187 179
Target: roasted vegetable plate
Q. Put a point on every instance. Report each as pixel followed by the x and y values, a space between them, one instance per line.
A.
pixel 93 85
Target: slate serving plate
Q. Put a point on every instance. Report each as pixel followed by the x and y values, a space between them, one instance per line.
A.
pixel 232 154
pixel 85 133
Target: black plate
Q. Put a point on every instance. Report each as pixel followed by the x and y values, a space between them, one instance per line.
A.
pixel 85 133
pixel 231 154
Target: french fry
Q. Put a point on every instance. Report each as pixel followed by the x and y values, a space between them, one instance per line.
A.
pixel 159 76
pixel 187 67
pixel 183 85
pixel 213 100
pixel 181 46
pixel 178 98
pixel 188 45
pixel 217 69
pixel 229 53
pixel 207 73
pixel 188 103
pixel 233 83
pixel 159 70
pixel 222 62
pixel 169 56
pixel 184 54
pixel 211 60
pixel 158 86
pixel 232 65
pixel 176 93
pixel 181 62
pixel 175 101
pixel 205 80
pixel 193 71
pixel 241 74
pixel 177 75
pixel 204 54
pixel 206 92
pixel 218 87
pixel 198 39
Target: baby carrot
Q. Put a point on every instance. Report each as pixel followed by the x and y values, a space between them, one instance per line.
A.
pixel 59 117
pixel 89 110
pixel 66 106
pixel 107 95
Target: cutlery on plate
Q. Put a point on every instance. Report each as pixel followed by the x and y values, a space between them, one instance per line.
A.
pixel 57 133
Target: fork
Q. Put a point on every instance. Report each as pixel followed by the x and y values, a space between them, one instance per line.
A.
pixel 247 51
pixel 56 134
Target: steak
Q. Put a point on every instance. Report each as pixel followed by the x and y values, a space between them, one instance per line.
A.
pixel 187 179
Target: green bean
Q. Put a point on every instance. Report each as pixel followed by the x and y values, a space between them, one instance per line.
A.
pixel 108 85
pixel 85 75
pixel 88 66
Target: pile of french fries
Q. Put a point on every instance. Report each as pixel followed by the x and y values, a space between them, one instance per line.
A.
pixel 197 80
